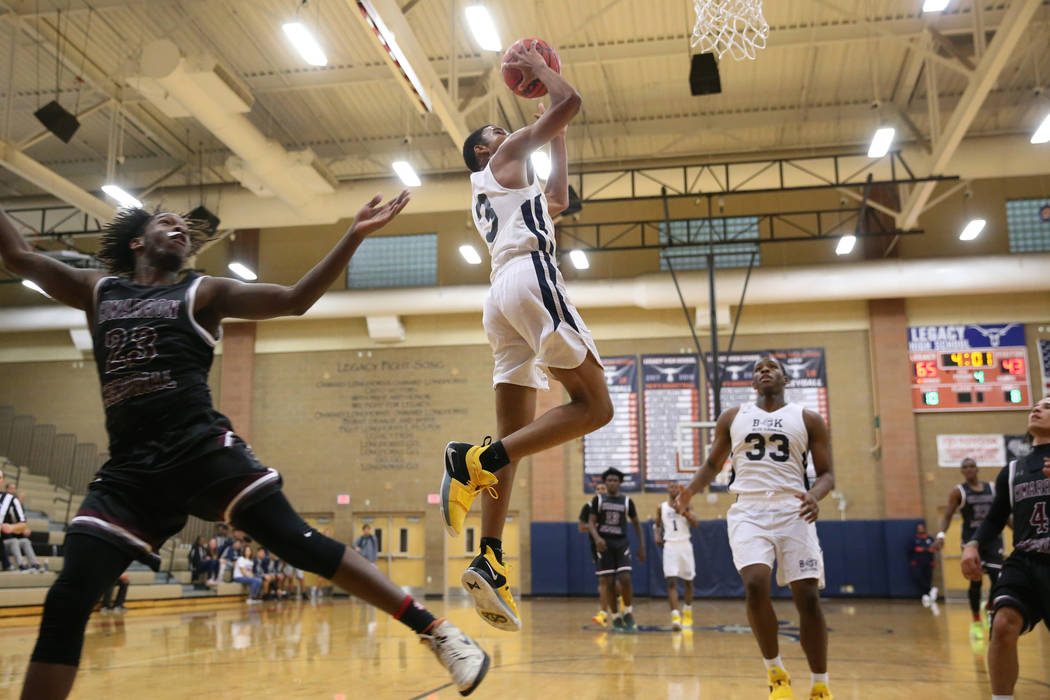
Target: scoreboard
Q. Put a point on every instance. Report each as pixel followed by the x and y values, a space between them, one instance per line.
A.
pixel 968 367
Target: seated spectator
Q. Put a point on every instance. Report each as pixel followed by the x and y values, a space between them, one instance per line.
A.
pixel 108 604
pixel 293 580
pixel 14 531
pixel 196 559
pixel 222 536
pixel 211 562
pixel 264 570
pixel 229 556
pixel 244 572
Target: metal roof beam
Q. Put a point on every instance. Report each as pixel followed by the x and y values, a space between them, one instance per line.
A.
pixel 48 180
pixel 1013 25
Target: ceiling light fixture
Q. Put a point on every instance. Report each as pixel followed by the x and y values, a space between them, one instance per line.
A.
pixel 881 142
pixel 1042 134
pixel 122 197
pixel 483 28
pixel 541 163
pixel 934 5
pixel 579 259
pixel 469 254
pixel 243 271
pixel 35 287
pixel 972 230
pixel 407 173
pixel 845 245
pixel 305 43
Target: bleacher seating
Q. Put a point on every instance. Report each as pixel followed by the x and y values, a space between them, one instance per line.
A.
pixel 46 511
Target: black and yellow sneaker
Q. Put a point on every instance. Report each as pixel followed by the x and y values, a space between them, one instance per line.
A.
pixel 628 622
pixel 463 480
pixel 486 580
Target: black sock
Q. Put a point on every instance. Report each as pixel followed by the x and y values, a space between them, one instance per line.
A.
pixel 496 544
pixel 415 616
pixel 494 458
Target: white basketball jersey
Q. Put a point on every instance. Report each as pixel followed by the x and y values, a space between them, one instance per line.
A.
pixel 676 527
pixel 769 450
pixel 514 223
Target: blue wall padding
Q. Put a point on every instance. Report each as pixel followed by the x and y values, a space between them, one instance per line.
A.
pixel 862 558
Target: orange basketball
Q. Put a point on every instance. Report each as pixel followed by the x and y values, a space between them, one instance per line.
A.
pixel 513 76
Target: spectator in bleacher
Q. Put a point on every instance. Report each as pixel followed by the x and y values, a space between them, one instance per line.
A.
pixel 293 580
pixel 116 606
pixel 213 561
pixel 229 556
pixel 4 563
pixel 222 536
pixel 14 531
pixel 244 572
pixel 196 557
pixel 264 570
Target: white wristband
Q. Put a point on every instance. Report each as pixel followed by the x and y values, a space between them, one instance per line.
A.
pixel 940 535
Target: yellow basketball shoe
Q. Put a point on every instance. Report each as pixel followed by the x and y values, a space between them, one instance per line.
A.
pixel 676 621
pixel 687 617
pixel 601 618
pixel 820 692
pixel 486 580
pixel 780 684
pixel 463 480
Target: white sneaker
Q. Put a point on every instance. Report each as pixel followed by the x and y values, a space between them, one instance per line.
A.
pixel 465 660
pixel 251 601
pixel 933 593
pixel 926 600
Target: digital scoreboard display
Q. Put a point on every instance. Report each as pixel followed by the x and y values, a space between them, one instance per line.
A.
pixel 968 367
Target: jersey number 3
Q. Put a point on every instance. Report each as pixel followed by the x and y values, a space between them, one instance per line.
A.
pixel 483 211
pixel 758 443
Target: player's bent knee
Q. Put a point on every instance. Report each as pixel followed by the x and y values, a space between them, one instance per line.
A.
pixel 1007 625
pixel 276 526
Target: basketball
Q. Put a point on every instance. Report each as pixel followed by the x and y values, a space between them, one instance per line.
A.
pixel 513 77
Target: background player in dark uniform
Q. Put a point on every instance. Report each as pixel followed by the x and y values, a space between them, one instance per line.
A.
pixel 975 498
pixel 1020 597
pixel 608 526
pixel 171 453
pixel 921 558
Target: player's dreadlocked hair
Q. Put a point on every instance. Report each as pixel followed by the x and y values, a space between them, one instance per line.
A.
pixel 115 252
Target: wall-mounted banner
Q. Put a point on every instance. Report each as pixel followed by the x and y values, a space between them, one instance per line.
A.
pixel 670 395
pixel 986 450
pixel 616 443
pixel 805 368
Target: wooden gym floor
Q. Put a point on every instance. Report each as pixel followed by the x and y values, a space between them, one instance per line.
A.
pixel 342 650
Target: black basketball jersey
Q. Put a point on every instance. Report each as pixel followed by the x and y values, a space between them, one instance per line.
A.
pixel 153 360
pixel 612 513
pixel 975 506
pixel 1030 501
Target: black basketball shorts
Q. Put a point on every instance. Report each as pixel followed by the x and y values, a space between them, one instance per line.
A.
pixel 138 518
pixel 615 558
pixel 991 557
pixel 1024 585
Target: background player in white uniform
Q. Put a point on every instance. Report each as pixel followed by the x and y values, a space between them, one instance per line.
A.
pixel 672 533
pixel 531 326
pixel 774 517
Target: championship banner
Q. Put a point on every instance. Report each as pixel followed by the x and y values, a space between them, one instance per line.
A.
pixel 670 395
pixel 1044 365
pixel 806 370
pixel 616 443
pixel 986 450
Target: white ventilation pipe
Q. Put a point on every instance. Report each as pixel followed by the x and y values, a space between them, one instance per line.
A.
pixel 46 179
pixel 209 98
pixel 881 279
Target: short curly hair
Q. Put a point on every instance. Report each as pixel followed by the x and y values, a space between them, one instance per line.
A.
pixel 115 251
pixel 470 158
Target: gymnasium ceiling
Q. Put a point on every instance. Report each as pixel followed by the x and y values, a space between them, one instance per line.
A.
pixel 832 72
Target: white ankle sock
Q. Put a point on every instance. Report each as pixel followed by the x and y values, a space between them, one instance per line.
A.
pixel 627 609
pixel 1002 697
pixel 770 663
pixel 688 607
pixel 818 678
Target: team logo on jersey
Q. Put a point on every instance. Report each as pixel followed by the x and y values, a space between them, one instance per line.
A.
pixel 767 423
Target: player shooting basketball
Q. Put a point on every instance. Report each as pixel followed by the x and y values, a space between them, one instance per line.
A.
pixel 530 324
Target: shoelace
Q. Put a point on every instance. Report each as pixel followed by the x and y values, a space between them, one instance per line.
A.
pixel 489 488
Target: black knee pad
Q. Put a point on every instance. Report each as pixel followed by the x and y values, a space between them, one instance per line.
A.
pixel 276 526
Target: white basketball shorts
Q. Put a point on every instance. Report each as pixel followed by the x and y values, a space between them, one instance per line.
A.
pixel 678 560
pixel 531 325
pixel 763 530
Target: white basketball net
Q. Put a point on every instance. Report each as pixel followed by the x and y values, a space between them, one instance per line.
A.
pixel 733 26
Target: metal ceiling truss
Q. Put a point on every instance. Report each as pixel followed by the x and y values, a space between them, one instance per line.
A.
pixel 55 221
pixel 717 232
pixel 748 177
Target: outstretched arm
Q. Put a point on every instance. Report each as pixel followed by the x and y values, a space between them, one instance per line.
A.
pixel 820 448
pixel 69 285
pixel 226 298
pixel 954 499
pixel 716 459
pixel 565 103
pixel 557 190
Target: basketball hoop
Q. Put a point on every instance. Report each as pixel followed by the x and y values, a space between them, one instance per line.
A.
pixel 733 26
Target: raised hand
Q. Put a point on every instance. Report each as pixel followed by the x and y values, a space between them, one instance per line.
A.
pixel 372 216
pixel 541 109
pixel 527 60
